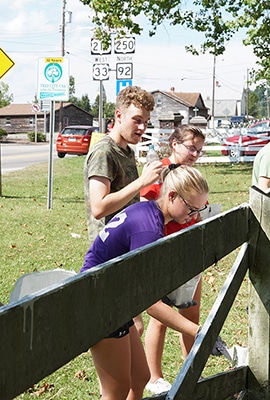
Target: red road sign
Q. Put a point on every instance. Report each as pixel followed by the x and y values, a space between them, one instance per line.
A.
pixel 35 107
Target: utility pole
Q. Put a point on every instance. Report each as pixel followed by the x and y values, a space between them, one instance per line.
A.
pixel 63 27
pixel 247 110
pixel 63 55
pixel 213 91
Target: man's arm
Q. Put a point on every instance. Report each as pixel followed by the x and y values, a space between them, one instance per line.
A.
pixel 263 183
pixel 104 203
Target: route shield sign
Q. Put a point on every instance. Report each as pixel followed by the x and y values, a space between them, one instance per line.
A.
pixel 53 78
pixel 124 71
pixel 5 63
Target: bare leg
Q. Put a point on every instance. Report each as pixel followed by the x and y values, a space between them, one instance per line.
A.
pixel 193 314
pixel 140 374
pixel 138 321
pixel 154 345
pixel 121 367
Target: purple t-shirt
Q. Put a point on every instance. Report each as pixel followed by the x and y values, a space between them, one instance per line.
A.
pixel 133 227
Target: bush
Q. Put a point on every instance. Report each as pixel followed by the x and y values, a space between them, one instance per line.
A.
pixel 40 137
pixel 3 133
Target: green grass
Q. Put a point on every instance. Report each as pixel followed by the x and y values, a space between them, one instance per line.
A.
pixel 34 239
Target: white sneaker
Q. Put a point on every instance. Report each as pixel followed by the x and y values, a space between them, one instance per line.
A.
pixel 159 386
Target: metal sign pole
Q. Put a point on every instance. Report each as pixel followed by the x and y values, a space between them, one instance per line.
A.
pixel 0 170
pixel 35 127
pixel 50 169
pixel 100 117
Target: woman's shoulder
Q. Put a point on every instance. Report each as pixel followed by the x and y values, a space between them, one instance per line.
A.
pixel 141 208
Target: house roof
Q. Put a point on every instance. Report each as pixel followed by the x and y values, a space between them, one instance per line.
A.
pixel 188 99
pixel 26 109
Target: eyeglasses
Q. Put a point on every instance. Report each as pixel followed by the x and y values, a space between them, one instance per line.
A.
pixel 192 150
pixel 192 210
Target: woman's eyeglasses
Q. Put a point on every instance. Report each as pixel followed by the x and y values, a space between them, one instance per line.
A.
pixel 192 210
pixel 192 150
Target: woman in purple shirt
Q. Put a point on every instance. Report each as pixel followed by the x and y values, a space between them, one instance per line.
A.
pixel 120 359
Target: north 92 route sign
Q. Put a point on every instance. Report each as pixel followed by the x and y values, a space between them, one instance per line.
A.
pixel 101 72
pixel 124 71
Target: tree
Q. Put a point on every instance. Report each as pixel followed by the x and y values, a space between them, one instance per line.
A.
pixel 71 86
pixel 218 20
pixel 5 98
pixel 108 108
pixel 258 101
pixel 84 103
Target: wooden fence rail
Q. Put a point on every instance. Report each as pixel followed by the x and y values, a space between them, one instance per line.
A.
pixel 43 332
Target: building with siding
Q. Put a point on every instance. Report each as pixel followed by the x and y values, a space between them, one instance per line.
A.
pixel 175 108
pixel 19 118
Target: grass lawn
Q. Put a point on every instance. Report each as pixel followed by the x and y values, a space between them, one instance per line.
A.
pixel 34 239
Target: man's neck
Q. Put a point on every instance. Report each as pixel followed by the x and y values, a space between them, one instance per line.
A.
pixel 117 137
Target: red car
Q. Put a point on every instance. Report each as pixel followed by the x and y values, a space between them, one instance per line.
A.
pixel 74 140
pixel 248 144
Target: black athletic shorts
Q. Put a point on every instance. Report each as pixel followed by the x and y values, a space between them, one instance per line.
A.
pixel 123 331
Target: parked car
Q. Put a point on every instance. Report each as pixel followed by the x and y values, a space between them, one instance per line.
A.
pixel 74 139
pixel 248 144
pixel 238 120
pixel 223 123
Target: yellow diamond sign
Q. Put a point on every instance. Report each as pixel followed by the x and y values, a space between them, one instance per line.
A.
pixel 5 63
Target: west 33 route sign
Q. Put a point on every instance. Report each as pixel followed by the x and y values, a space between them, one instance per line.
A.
pixel 101 72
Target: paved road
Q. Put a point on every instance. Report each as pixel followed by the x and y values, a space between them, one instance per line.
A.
pixel 16 156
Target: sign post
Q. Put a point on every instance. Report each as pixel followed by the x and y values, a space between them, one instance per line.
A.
pixel 35 109
pixel 53 84
pixel 101 67
pixel 101 72
pixel 124 66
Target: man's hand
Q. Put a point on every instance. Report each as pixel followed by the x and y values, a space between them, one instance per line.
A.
pixel 151 173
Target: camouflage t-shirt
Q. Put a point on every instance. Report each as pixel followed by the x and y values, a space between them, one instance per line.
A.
pixel 107 159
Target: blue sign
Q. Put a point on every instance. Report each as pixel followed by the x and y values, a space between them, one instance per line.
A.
pixel 122 84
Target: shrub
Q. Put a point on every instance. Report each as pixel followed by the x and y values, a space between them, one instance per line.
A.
pixel 3 133
pixel 40 137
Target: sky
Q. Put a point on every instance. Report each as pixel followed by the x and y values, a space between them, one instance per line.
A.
pixel 31 30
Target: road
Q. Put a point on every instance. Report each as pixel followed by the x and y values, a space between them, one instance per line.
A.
pixel 19 156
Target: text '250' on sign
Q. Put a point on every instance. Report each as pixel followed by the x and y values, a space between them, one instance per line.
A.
pixel 124 45
pixel 101 72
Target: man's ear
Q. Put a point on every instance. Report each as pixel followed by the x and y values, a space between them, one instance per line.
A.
pixel 118 114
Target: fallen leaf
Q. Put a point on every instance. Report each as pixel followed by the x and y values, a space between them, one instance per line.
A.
pixel 81 375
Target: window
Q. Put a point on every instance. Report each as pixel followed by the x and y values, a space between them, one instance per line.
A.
pixel 159 102
pixel 8 121
pixel 31 121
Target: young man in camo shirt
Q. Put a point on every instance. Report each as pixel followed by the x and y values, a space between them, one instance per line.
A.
pixel 111 177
